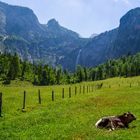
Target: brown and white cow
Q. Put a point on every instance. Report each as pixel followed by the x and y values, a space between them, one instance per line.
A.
pixel 114 122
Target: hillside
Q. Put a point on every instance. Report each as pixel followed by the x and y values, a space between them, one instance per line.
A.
pixel 11 68
pixel 70 118
pixel 21 32
pixel 51 43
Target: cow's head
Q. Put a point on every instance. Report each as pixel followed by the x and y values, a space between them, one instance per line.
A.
pixel 129 117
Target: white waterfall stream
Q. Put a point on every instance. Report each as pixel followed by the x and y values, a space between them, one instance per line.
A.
pixel 77 59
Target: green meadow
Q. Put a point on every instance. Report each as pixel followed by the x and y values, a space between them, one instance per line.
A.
pixel 69 118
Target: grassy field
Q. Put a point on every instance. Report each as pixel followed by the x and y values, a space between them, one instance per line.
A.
pixel 70 118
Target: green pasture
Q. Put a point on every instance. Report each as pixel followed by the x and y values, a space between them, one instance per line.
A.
pixel 69 118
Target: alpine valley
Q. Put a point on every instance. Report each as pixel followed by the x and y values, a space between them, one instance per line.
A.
pixel 52 44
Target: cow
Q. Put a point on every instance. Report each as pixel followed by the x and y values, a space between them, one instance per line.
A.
pixel 115 122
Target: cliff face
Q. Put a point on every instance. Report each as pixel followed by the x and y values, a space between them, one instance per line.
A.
pixel 128 38
pixel 19 21
pixel 113 44
pixel 98 50
pixel 50 43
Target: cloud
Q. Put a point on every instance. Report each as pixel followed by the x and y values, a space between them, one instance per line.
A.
pixel 127 2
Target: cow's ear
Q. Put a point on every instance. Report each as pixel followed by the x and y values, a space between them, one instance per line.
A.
pixel 125 114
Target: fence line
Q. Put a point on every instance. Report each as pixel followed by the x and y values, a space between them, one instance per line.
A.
pixel 77 89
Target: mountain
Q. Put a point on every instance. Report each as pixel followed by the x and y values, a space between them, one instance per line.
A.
pixel 98 50
pixel 21 32
pixel 19 21
pixel 115 43
pixel 53 44
pixel 128 37
pixel 93 35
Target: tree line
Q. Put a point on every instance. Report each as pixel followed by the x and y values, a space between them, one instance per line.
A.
pixel 12 68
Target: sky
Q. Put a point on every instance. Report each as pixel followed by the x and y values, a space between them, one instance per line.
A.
pixel 85 17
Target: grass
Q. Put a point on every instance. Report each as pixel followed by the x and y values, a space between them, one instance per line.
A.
pixel 70 118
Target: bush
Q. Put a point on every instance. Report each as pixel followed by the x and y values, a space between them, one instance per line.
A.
pixel 7 81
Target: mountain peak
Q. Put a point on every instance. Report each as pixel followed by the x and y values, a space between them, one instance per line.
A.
pixel 93 35
pixel 131 17
pixel 53 23
pixel 3 3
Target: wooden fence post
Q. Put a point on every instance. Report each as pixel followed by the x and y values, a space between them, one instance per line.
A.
pixel 52 95
pixel 75 90
pixel 24 100
pixel 83 89
pixel 92 88
pixel 39 97
pixel 89 88
pixel 1 104
pixel 69 92
pixel 63 92
pixel 80 89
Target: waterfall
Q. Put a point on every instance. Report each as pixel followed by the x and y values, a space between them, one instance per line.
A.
pixel 77 59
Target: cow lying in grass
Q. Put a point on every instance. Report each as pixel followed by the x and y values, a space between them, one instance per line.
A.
pixel 114 122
